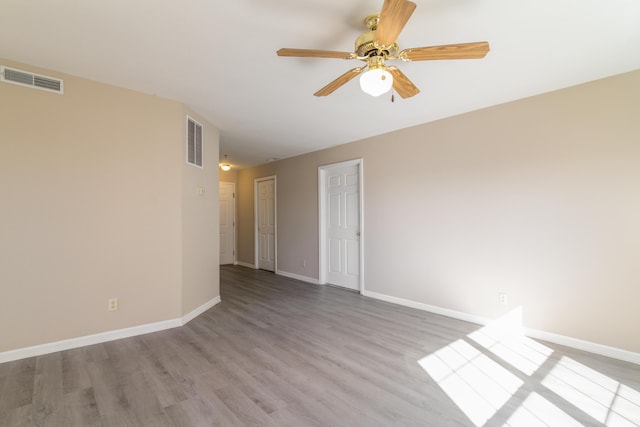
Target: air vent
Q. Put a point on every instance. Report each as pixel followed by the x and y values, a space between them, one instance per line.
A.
pixel 25 78
pixel 194 142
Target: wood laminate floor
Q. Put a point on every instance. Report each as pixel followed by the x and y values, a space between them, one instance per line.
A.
pixel 279 352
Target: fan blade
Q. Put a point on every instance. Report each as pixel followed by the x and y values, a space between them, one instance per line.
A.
pixel 393 18
pixel 331 87
pixel 451 51
pixel 312 53
pixel 402 84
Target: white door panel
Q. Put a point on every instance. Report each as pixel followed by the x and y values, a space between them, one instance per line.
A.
pixel 266 224
pixel 335 209
pixel 343 226
pixel 353 258
pixel 335 256
pixel 352 212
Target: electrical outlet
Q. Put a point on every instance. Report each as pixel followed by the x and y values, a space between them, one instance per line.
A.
pixel 502 298
pixel 304 263
pixel 112 304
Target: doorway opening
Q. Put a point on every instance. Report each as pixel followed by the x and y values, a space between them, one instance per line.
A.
pixel 227 222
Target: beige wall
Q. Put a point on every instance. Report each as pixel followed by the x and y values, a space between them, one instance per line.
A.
pixel 538 199
pixel 91 186
pixel 200 219
pixel 228 176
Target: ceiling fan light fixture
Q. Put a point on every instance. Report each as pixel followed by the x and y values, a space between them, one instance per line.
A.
pixel 376 81
pixel 225 166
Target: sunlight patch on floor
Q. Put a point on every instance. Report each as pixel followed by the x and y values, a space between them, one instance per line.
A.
pixel 538 411
pixel 603 398
pixel 481 387
pixel 477 384
pixel 504 338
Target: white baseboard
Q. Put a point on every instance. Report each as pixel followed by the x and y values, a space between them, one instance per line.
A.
pixel 298 277
pixel 198 311
pixel 430 308
pixel 39 350
pixel 591 347
pixel 245 264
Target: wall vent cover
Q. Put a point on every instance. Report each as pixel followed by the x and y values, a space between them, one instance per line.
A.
pixel 194 142
pixel 25 78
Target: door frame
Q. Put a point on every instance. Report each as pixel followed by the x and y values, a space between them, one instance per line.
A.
pixel 322 218
pixel 256 242
pixel 235 221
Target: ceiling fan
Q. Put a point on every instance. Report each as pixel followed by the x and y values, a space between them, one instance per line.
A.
pixel 378 45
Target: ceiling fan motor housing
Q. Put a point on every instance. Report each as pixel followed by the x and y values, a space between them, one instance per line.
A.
pixel 365 45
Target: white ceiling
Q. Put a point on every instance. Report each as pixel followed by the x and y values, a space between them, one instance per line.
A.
pixel 218 57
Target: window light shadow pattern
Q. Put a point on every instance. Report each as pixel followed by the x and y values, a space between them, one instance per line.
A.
pixel 481 387
pixel 504 338
pixel 478 385
pixel 603 398
pixel 537 411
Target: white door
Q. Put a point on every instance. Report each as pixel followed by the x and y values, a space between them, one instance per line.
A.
pixel 342 225
pixel 227 223
pixel 266 224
